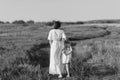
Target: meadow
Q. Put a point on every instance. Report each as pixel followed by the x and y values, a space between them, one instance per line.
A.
pixel 24 51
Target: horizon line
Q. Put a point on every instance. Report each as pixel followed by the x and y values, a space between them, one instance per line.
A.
pixel 58 20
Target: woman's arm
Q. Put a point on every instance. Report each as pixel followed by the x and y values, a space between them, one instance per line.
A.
pixel 63 36
pixel 50 37
pixel 50 42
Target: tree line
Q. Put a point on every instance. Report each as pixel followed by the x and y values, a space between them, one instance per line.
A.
pixel 18 22
pixel 49 23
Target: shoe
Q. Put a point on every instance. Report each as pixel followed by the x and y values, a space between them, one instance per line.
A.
pixel 68 76
pixel 60 76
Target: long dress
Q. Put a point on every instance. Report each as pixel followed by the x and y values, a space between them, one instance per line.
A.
pixel 56 66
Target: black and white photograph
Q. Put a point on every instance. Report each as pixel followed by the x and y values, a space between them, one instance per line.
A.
pixel 59 39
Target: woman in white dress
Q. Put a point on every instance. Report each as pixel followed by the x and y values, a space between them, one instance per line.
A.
pixel 56 39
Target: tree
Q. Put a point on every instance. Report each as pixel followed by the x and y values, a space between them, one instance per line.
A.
pixel 79 22
pixel 19 22
pixel 30 22
pixel 7 22
pixel 1 22
pixel 49 23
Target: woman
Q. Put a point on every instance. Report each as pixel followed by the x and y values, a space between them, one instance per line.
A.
pixel 56 39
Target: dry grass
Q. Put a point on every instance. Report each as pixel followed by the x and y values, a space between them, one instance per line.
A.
pixel 24 49
pixel 101 57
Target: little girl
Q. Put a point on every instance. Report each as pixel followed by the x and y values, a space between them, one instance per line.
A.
pixel 66 56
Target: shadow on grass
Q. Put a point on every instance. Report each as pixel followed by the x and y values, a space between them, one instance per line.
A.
pixel 38 56
pixel 77 37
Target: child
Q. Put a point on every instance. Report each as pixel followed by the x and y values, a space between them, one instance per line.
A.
pixel 66 56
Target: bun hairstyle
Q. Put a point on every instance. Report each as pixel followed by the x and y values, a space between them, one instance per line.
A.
pixel 57 24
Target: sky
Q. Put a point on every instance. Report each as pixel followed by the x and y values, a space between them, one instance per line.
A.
pixel 63 10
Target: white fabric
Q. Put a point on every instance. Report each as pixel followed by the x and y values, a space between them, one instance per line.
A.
pixel 66 58
pixel 56 34
pixel 56 66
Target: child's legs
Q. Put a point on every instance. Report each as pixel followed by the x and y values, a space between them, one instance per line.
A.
pixel 67 68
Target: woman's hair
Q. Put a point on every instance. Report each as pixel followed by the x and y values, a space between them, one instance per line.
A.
pixel 57 24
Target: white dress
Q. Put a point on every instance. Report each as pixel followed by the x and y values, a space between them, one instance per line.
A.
pixel 56 66
pixel 66 58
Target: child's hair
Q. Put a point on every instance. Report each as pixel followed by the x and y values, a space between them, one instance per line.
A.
pixel 67 42
pixel 67 47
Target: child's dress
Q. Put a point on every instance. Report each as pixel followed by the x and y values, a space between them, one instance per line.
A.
pixel 66 55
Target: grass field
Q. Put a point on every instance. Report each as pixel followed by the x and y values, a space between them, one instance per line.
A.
pixel 24 51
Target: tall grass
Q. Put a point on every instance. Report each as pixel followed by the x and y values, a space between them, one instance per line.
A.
pixel 91 59
pixel 96 58
pixel 26 56
pixel 16 63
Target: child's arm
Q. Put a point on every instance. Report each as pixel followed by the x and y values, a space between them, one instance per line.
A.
pixel 63 51
pixel 70 51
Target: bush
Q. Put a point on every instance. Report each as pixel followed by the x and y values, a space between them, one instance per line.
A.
pixel 79 22
pixel 49 23
pixel 1 22
pixel 30 22
pixel 20 22
pixel 7 22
